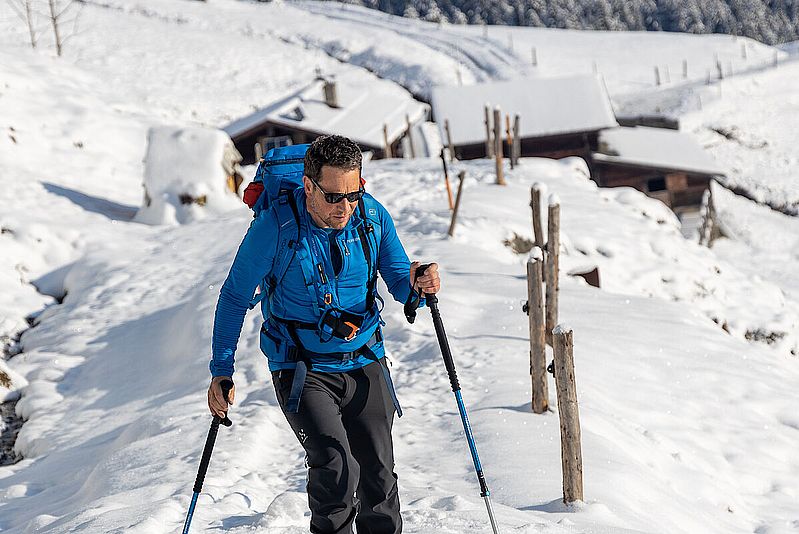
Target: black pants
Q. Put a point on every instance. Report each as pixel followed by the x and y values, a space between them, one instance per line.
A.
pixel 344 424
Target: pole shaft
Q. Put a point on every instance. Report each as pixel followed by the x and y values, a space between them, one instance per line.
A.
pixel 209 448
pixel 190 514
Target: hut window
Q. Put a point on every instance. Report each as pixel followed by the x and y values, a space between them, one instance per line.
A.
pixel 275 142
pixel 656 184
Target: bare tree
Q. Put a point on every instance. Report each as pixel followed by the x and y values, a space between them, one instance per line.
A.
pixel 58 13
pixel 24 10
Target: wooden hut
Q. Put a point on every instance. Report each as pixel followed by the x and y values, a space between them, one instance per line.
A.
pixel 377 116
pixel 665 164
pixel 559 117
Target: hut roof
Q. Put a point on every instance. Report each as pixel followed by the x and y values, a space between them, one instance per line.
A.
pixel 655 148
pixel 362 111
pixel 546 106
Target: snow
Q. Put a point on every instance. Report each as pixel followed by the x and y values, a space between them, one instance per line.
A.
pixel 185 175
pixel 546 106
pixel 655 147
pixel 683 360
pixel 746 124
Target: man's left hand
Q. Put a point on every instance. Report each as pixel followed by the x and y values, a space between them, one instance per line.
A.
pixel 429 283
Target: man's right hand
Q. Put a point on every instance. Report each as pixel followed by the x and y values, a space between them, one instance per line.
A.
pixel 216 400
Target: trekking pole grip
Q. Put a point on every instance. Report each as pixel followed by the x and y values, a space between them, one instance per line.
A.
pixel 226 386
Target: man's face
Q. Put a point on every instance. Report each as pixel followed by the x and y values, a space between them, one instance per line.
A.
pixel 332 180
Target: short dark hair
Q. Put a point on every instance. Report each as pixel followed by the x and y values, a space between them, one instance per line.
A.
pixel 334 151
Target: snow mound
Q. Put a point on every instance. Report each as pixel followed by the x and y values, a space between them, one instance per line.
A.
pixel 186 175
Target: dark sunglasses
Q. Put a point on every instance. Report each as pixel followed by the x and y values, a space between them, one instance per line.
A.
pixel 335 198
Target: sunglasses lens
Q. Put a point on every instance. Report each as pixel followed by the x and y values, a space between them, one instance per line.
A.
pixel 335 198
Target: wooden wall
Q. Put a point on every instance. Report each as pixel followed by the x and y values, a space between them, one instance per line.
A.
pixel 675 189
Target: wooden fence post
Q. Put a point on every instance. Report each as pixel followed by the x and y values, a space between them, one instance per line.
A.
pixel 498 145
pixel 259 152
pixel 535 204
pixel 684 69
pixel 657 76
pixel 517 142
pixel 489 142
pixel 461 176
pixel 553 249
pixel 535 312
pixel 446 180
pixel 570 448
pixel 409 134
pixel 509 135
pixel 449 141
pixel 535 57
pixel 389 153
pixel 710 230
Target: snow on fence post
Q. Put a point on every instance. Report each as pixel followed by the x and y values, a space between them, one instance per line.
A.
pixel 668 74
pixel 410 135
pixel 535 313
pixel 446 180
pixel 517 143
pixel 461 176
pixel 449 141
pixel 509 135
pixel 388 153
pixel 568 411
pixel 498 144
pixel 553 250
pixel 657 76
pixel 489 143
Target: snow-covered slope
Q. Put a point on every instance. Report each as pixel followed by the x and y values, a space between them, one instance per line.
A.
pixel 686 428
pixel 118 371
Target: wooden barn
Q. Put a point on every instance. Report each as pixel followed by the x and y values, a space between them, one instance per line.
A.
pixel 665 164
pixel 379 116
pixel 559 117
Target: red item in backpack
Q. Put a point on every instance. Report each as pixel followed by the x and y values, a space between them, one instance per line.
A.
pixel 252 193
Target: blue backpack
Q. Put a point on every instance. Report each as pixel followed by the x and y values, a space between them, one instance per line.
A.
pixel 280 173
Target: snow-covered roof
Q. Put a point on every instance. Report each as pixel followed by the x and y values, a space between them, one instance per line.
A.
pixel 655 147
pixel 546 106
pixel 362 112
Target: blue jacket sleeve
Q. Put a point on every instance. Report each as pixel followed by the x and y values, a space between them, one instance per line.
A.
pixel 393 263
pixel 253 261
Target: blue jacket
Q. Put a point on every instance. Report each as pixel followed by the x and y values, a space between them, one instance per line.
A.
pixel 295 297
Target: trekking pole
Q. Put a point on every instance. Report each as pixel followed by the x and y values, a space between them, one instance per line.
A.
pixel 410 313
pixel 226 386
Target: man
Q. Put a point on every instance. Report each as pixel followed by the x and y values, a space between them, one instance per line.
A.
pixel 322 336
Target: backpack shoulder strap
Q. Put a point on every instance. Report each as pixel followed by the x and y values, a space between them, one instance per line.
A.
pixel 287 247
pixel 364 230
pixel 287 214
